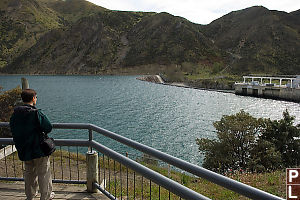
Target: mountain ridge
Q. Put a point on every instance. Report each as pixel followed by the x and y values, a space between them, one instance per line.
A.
pixel 78 37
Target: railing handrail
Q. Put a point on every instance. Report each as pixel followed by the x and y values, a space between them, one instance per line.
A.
pixel 216 178
pixel 156 177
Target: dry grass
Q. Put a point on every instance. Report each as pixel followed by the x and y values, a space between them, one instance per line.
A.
pixel 72 166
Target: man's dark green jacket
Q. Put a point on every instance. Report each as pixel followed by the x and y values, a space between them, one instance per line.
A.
pixel 26 124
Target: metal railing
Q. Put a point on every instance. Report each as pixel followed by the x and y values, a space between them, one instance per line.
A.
pixel 112 181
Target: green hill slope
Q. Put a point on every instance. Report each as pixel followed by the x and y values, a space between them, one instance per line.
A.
pixel 164 39
pixel 78 37
pixel 89 46
pixel 73 10
pixel 259 40
pixel 22 23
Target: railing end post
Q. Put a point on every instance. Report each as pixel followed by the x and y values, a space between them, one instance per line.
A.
pixel 92 171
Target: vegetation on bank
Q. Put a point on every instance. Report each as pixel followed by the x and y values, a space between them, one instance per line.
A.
pixel 250 144
pixel 201 77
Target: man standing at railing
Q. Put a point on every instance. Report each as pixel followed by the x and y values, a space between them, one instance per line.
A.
pixel 26 123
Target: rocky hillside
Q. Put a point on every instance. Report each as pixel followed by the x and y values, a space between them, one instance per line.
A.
pixel 77 37
pixel 259 40
pixel 91 45
pixel 22 24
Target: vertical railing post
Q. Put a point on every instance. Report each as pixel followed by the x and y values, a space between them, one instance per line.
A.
pixel 25 84
pixel 92 171
pixel 90 139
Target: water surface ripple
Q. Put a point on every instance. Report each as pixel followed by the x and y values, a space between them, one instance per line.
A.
pixel 164 117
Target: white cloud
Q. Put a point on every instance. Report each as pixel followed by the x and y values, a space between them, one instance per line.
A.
pixel 198 11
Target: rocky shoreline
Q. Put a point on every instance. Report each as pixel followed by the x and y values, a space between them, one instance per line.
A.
pixel 158 79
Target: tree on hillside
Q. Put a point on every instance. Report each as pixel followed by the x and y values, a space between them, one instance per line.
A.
pixel 8 100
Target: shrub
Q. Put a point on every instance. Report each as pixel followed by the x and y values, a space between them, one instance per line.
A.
pixel 236 138
pixel 8 100
pixel 244 142
pixel 285 137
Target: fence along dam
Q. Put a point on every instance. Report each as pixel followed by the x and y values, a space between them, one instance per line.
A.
pixel 270 87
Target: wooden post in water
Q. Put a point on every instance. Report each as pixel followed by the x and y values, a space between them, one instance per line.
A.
pixel 25 84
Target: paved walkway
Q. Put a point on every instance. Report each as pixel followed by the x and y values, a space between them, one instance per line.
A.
pixel 15 191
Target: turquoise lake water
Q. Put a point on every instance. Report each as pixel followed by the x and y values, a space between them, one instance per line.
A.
pixel 165 117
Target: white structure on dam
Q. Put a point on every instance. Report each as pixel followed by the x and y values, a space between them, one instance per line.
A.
pixel 279 87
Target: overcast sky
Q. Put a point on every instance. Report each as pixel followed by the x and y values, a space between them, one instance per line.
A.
pixel 197 11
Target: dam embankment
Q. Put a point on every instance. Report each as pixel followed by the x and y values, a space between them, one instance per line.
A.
pixel 152 79
pixel 200 86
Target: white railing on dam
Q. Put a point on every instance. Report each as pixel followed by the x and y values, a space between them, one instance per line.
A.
pixel 293 82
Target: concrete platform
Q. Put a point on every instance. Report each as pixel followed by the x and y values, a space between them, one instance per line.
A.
pixel 15 191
